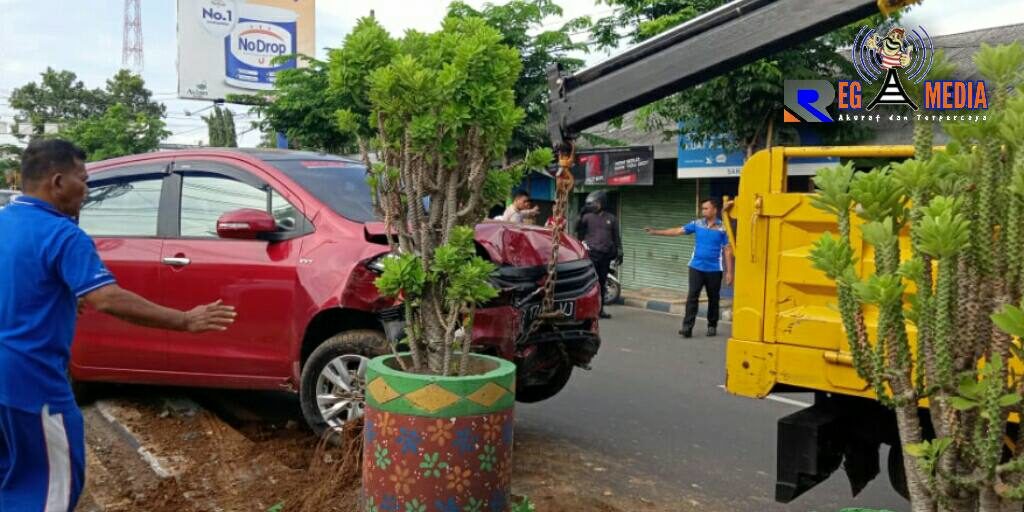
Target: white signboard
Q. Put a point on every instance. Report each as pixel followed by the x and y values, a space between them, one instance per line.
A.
pixel 232 46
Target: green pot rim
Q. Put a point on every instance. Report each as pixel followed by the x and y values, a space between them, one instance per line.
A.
pixel 391 390
pixel 378 367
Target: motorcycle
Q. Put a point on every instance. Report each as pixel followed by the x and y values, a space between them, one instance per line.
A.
pixel 613 288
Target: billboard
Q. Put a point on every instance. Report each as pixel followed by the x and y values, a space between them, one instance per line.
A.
pixel 229 46
pixel 705 160
pixel 615 166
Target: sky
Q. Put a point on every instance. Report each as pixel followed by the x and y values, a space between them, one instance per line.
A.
pixel 84 36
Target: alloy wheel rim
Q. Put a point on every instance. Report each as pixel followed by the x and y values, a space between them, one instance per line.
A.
pixel 341 390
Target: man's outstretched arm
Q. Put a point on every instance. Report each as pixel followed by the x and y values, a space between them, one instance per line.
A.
pixel 130 307
pixel 665 232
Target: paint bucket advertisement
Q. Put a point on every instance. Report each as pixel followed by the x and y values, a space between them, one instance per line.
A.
pixel 238 46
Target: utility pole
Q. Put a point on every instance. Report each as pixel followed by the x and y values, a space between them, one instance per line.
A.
pixel 131 49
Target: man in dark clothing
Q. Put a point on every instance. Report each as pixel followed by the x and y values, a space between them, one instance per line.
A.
pixel 712 256
pixel 599 231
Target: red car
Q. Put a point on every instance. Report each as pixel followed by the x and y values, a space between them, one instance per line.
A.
pixel 291 240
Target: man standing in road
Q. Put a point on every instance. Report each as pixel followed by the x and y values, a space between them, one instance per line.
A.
pixel 49 265
pixel 599 231
pixel 711 256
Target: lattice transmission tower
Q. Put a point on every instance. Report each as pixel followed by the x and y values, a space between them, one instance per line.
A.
pixel 131 49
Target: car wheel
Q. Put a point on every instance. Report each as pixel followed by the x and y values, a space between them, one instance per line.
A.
pixel 538 393
pixel 333 382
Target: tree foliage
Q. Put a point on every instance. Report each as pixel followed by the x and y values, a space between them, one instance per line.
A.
pixel 299 108
pixel 965 210
pixel 10 163
pixel 220 126
pixel 525 25
pixel 58 97
pixel 128 89
pixel 120 119
pixel 118 132
pixel 61 98
pixel 741 109
pixel 440 109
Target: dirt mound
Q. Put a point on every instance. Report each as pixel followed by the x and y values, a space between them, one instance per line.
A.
pixel 157 451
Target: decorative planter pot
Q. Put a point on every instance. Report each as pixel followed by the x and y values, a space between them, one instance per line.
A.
pixel 438 444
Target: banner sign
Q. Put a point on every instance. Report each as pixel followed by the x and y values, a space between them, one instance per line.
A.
pixel 632 165
pixel 229 46
pixel 703 160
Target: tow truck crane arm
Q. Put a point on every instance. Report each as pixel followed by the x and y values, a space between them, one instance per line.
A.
pixel 707 46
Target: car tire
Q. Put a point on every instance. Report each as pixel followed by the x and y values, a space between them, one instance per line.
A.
pixel 341 349
pixel 539 393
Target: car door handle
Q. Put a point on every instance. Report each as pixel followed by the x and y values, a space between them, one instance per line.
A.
pixel 177 262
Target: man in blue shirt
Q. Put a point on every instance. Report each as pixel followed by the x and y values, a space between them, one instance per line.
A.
pixel 49 267
pixel 712 256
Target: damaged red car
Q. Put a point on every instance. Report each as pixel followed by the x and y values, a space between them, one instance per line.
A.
pixel 291 240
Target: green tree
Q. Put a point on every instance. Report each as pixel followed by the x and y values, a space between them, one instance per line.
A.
pixel 58 97
pixel 10 163
pixel 526 26
pixel 121 119
pixel 299 108
pixel 220 126
pixel 741 109
pixel 230 133
pixel 441 109
pixel 118 132
pixel 214 128
pixel 128 89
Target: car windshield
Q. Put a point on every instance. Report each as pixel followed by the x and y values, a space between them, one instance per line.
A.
pixel 338 184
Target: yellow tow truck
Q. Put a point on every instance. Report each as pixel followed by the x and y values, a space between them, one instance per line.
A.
pixel 786 333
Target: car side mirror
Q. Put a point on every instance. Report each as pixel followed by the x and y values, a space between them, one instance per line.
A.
pixel 245 224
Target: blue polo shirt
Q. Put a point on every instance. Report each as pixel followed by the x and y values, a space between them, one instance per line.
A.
pixel 709 241
pixel 46 263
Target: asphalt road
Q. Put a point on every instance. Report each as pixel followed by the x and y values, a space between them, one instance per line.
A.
pixel 654 400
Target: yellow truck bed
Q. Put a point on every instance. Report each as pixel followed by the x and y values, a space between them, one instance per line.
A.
pixel 787 334
pixel 786 326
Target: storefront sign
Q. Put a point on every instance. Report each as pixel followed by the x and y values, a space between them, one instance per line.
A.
pixel 615 166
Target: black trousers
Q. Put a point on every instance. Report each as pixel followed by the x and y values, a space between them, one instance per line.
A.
pixel 712 283
pixel 602 264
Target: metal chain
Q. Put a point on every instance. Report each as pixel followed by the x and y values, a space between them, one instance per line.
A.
pixel 564 183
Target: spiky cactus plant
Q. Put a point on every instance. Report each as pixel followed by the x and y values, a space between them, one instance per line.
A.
pixel 965 211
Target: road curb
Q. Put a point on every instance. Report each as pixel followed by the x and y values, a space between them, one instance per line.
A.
pixel 112 412
pixel 675 308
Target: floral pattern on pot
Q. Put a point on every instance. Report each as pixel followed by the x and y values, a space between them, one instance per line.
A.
pixel 420 463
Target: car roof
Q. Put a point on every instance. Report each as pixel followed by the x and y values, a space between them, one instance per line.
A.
pixel 263 154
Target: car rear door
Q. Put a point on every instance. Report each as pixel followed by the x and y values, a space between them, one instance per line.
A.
pixel 123 216
pixel 257 277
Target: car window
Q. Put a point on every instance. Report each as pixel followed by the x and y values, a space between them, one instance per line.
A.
pixel 122 207
pixel 339 184
pixel 205 197
pixel 285 214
